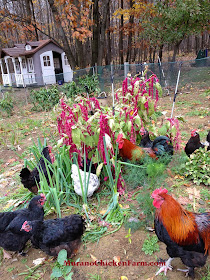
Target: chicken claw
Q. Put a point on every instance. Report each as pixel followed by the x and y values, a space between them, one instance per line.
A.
pixel 184 270
pixel 166 267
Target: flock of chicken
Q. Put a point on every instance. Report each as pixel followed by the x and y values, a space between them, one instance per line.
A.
pixel 52 235
pixel 186 234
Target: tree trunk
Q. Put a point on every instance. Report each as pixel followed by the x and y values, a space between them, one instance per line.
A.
pixel 62 34
pixel 131 20
pixel 176 50
pixel 96 28
pixel 121 37
pixel 109 50
pixel 161 52
pixel 33 14
pixel 105 11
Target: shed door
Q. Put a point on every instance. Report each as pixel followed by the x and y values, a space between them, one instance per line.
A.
pixel 67 71
pixel 48 71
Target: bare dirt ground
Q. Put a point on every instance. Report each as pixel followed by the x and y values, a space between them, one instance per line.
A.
pixel 114 245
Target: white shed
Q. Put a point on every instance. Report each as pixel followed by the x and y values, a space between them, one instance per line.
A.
pixel 34 63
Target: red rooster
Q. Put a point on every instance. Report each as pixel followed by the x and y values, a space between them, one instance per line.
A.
pixel 128 150
pixel 186 234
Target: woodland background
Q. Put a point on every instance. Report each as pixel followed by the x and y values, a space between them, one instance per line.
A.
pixel 108 31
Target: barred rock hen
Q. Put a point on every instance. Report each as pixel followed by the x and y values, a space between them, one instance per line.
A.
pixel 11 238
pixel 161 145
pixel 53 235
pixel 186 234
pixel 30 179
pixel 193 143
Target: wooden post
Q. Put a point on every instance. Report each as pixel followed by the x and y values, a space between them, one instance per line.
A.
pixel 126 69
pixel 7 66
pixel 24 85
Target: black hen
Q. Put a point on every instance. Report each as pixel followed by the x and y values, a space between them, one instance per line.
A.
pixel 193 143
pixel 30 179
pixel 161 145
pixel 93 168
pixel 11 238
pixel 146 142
pixel 53 235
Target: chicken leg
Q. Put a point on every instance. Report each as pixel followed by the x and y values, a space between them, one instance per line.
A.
pixel 166 267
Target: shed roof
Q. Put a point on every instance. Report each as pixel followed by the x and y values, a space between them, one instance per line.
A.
pixel 19 49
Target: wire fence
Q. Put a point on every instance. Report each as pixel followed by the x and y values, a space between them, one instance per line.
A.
pixel 192 73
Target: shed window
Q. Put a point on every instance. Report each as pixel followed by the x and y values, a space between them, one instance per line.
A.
pixel 17 65
pixel 24 63
pixel 66 60
pixel 30 65
pixel 46 60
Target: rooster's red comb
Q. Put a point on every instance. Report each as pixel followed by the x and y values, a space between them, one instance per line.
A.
pixel 42 195
pixel 193 132
pixel 159 191
pixel 119 137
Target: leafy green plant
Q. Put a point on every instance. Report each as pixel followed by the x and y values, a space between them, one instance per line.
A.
pixel 207 274
pixel 45 98
pixel 150 245
pixel 205 194
pixel 197 167
pixel 61 269
pixel 71 89
pixel 129 235
pixel 94 277
pixel 59 189
pixel 145 203
pixel 92 82
pixel 6 104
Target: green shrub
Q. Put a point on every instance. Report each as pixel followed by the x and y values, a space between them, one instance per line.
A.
pixel 150 245
pixel 45 98
pixel 197 167
pixel 6 104
pixel 72 89
pixel 91 82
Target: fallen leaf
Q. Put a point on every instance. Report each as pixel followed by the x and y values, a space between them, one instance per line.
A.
pixel 116 259
pixel 9 173
pixel 193 192
pixel 6 255
pixel 10 203
pixel 183 200
pixel 39 261
pixel 93 258
pixel 102 212
pixel 123 278
pixel 170 173
pixel 151 278
pixel 126 206
pixel 10 161
pixel 179 177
